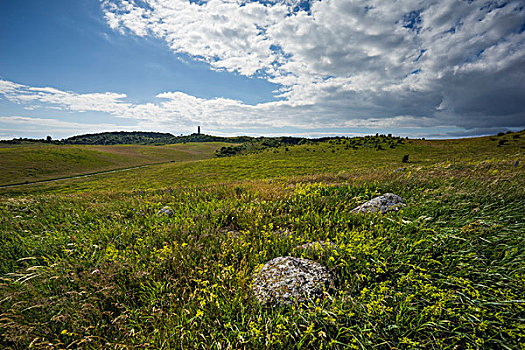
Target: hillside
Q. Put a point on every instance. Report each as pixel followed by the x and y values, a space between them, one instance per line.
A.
pixel 327 157
pixel 247 144
pixel 119 138
pixel 138 137
pixel 42 161
pixel 129 138
pixel 165 256
pixel 37 161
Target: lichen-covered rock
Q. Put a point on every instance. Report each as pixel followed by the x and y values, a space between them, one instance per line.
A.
pixel 384 203
pixel 285 280
pixel 166 211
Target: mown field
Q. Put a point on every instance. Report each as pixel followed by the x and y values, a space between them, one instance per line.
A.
pixel 89 263
pixel 40 161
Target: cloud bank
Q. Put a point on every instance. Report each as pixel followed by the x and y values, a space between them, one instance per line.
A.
pixel 456 62
pixel 176 109
pixel 339 63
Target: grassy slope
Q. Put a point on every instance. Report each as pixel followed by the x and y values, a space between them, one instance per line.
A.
pixel 325 158
pixel 100 269
pixel 33 162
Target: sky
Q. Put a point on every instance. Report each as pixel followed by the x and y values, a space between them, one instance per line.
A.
pixel 417 68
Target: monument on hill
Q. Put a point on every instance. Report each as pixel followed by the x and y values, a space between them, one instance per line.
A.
pixel 198 130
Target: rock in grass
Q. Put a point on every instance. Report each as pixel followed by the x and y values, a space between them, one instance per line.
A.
pixel 384 203
pixel 285 280
pixel 283 233
pixel 230 232
pixel 166 211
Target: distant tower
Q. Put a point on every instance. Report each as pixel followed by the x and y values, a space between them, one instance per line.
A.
pixel 199 130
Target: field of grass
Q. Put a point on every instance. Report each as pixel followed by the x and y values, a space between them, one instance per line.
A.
pixel 40 161
pixel 330 158
pixel 88 263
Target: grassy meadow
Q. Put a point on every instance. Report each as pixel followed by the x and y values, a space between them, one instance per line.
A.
pixel 40 161
pixel 88 263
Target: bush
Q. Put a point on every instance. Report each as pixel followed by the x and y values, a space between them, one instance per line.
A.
pixel 405 158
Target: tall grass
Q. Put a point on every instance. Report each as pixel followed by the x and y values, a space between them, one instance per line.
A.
pixel 103 269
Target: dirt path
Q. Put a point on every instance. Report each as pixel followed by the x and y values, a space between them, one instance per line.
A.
pixel 81 175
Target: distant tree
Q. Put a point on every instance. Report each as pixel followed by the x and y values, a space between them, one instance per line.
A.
pixel 48 138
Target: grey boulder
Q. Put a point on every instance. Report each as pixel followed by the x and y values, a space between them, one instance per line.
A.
pixel 286 280
pixel 166 211
pixel 384 203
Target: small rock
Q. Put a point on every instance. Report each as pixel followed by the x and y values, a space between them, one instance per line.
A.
pixel 230 232
pixel 166 211
pixel 285 280
pixel 384 203
pixel 284 233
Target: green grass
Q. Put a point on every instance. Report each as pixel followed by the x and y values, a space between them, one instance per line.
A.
pixel 40 161
pixel 100 269
pixel 316 160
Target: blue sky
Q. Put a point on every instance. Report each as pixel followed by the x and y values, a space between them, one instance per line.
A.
pixel 69 46
pixel 310 68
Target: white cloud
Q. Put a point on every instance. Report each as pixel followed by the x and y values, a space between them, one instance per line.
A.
pixel 53 123
pixel 17 126
pixel 8 87
pixel 48 96
pixel 352 59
